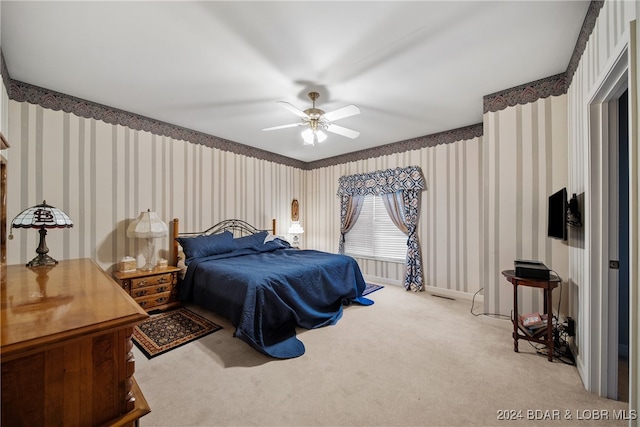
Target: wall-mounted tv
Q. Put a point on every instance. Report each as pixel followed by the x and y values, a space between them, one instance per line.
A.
pixel 557 219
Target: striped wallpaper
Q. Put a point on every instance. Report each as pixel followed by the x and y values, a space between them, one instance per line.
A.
pixel 611 31
pixel 103 175
pixel 449 226
pixel 484 206
pixel 4 108
pixel 524 160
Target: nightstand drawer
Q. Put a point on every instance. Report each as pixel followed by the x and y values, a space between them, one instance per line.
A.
pixel 160 279
pixel 149 301
pixel 150 290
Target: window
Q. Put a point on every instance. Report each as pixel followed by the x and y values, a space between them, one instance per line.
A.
pixel 374 235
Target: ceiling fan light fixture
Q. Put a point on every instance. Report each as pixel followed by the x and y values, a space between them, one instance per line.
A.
pixel 311 137
pixel 307 137
pixel 317 121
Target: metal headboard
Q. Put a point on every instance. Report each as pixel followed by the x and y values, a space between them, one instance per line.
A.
pixel 238 227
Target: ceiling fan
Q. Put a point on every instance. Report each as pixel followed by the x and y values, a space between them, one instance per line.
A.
pixel 318 120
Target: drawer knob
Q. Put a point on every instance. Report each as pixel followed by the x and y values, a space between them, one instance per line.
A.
pixel 163 280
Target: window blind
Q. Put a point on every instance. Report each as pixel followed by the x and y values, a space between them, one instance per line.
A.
pixel 374 235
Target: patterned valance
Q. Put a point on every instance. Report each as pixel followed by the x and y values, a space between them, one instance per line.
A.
pixel 381 182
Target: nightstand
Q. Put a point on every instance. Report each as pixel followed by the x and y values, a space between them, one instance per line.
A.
pixel 152 290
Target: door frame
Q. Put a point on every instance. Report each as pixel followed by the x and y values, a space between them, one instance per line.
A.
pixel 600 306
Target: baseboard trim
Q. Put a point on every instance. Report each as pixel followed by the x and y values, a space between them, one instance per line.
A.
pixel 381 280
pixel 448 293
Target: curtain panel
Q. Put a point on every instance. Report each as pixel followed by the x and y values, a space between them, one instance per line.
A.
pixel 402 187
pixel 350 207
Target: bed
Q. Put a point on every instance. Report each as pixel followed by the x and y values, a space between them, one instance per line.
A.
pixel 263 286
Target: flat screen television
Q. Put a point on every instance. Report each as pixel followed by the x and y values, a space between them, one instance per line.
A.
pixel 557 219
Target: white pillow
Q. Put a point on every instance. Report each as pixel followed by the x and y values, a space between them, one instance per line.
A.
pixel 271 237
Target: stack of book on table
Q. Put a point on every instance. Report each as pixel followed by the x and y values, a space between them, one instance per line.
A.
pixel 533 323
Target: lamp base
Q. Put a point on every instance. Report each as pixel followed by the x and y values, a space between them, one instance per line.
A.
pixel 40 260
pixel 148 254
pixel 147 267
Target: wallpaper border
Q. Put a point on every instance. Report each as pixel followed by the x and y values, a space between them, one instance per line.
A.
pixel 25 92
pixel 4 72
pixel 526 93
pixel 585 33
pixel 446 137
pixel 523 94
pixel 550 86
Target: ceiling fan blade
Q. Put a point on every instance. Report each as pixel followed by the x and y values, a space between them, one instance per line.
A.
pixel 284 126
pixel 343 131
pixel 295 110
pixel 341 113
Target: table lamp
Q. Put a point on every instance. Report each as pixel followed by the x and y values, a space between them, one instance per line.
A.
pixel 41 216
pixel 295 229
pixel 147 226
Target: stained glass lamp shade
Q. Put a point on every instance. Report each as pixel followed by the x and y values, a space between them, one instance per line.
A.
pixel 42 216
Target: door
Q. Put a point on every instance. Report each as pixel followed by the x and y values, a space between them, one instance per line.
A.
pixel 622 265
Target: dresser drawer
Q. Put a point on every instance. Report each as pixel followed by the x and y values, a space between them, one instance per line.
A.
pixel 150 301
pixel 160 279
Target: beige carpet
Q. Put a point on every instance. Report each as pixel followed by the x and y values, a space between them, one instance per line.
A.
pixel 408 360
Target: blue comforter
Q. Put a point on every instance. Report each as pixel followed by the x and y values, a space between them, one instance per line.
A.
pixel 268 290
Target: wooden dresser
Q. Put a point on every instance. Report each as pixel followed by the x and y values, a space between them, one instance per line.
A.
pixel 66 353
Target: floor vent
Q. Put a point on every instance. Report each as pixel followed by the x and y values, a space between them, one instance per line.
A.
pixel 443 297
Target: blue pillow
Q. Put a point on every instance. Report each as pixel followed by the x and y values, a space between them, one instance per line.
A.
pixel 251 241
pixel 202 246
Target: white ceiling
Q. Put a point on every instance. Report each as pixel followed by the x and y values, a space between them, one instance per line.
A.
pixel 414 68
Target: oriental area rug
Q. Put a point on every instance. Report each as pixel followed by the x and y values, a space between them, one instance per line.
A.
pixel 164 332
pixel 371 287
